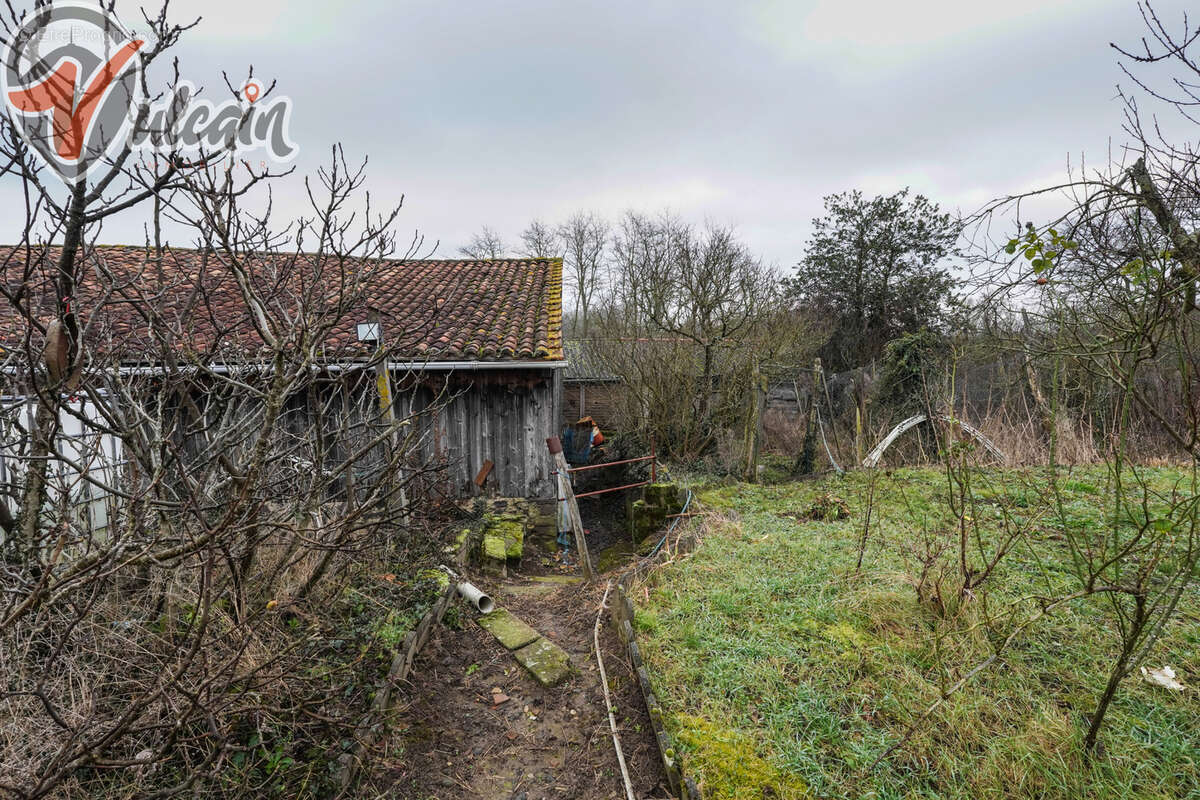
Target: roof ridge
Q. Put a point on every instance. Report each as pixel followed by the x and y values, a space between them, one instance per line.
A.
pixel 390 259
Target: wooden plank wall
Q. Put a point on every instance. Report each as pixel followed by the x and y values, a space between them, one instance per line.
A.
pixel 499 415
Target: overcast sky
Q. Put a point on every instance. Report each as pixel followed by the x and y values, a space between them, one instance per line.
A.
pixel 743 112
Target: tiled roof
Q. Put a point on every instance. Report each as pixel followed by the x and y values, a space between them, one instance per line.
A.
pixel 445 310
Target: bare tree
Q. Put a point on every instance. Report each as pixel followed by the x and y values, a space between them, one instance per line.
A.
pixel 585 241
pixel 484 245
pixel 1111 284
pixel 188 482
pixel 540 241
pixel 682 320
pixel 705 287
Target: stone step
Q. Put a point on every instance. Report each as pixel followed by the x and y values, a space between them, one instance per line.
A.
pixel 545 660
pixel 508 629
pixel 537 585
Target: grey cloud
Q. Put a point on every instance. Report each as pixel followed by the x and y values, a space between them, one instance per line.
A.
pixel 489 113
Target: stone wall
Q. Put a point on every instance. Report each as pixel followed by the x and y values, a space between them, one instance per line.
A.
pixel 500 537
pixel 648 517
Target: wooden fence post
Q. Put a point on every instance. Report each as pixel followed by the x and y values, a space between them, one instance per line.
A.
pixel 568 494
pixel 754 423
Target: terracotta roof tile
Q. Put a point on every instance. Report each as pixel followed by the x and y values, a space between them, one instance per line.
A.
pixel 454 310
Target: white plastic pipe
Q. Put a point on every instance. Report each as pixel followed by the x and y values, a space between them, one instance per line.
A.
pixel 476 598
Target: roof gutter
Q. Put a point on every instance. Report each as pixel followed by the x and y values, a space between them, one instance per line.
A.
pixel 417 366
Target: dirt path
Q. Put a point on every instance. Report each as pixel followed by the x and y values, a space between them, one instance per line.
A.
pixel 453 741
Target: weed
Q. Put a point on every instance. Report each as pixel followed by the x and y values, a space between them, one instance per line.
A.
pixel 767 636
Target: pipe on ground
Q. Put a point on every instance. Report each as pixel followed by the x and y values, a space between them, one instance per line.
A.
pixel 472 595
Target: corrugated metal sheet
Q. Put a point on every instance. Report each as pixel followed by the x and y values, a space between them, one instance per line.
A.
pixel 585 364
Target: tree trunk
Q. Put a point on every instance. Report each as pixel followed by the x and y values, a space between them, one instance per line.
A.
pixel 46 419
pixel 754 423
pixel 1129 645
pixel 808 447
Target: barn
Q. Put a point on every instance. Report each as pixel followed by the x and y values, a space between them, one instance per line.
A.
pixel 476 343
pixel 495 349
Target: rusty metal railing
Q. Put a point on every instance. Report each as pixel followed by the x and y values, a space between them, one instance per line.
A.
pixel 652 458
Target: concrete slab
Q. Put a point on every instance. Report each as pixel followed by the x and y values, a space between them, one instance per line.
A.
pixel 539 585
pixel 546 661
pixel 508 629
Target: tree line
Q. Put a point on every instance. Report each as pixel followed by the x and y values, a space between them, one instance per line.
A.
pixel 873 268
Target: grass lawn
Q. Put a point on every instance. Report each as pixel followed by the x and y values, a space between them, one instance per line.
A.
pixel 784 673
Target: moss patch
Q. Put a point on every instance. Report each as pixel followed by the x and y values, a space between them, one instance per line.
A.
pixel 726 764
pixel 435 577
pixel 494 547
pixel 510 531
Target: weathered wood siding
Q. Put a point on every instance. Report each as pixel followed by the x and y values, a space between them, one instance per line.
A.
pixel 499 415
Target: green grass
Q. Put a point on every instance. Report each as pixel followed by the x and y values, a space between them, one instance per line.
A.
pixel 784 673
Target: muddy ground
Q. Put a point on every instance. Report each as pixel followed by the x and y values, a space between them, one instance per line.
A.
pixel 454 740
pixel 606 520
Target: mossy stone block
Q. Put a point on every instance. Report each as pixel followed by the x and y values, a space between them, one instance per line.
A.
pixel 513 534
pixel 647 518
pixel 508 629
pixel 494 547
pixel 643 509
pixel 665 496
pixel 515 547
pixel 509 528
pixel 546 661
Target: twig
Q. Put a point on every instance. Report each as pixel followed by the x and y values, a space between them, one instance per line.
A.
pixel 980 667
